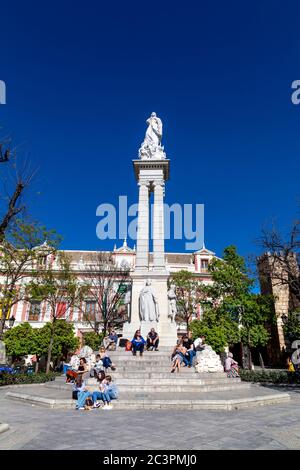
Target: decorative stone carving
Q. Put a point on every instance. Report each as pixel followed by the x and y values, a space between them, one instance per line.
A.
pixel 148 305
pixel 151 148
pixel 208 360
pixel 127 300
pixel 172 303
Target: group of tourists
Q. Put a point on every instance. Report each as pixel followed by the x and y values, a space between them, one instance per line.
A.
pixel 80 369
pixel 87 399
pixel 183 355
pixel 185 350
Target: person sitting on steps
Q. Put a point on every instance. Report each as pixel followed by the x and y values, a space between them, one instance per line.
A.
pixel 106 359
pixel 152 340
pixel 83 394
pixel 199 343
pixel 231 366
pixel 78 386
pixel 187 342
pixel 82 370
pixel 138 343
pixel 97 367
pixel 110 341
pixel 178 354
pixel 108 391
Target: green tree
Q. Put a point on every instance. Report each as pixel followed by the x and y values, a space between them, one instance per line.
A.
pixel 93 339
pixel 57 286
pixel 187 295
pixel 20 340
pixel 63 340
pixel 21 251
pixel 292 326
pixel 232 310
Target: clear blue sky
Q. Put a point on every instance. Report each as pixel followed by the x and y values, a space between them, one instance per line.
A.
pixel 82 77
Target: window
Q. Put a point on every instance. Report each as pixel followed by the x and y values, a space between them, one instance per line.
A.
pixel 90 309
pixel 42 261
pixel 61 309
pixel 204 264
pixel 35 310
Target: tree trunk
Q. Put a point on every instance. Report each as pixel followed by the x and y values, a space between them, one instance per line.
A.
pixel 37 364
pixel 187 323
pixel 50 348
pixel 12 210
pixel 261 361
pixel 2 322
pixel 250 359
pixel 104 328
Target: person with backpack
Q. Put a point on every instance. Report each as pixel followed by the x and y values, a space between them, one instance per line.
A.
pixel 83 394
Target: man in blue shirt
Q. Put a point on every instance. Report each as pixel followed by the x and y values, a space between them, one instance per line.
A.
pixel 111 340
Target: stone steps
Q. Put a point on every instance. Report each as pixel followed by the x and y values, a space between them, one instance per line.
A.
pixel 170 381
pixel 238 398
pixel 163 375
pixel 176 388
pixel 146 383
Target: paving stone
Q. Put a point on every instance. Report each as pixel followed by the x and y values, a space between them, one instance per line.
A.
pixel 272 427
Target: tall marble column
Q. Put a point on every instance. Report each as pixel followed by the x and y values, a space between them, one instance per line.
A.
pixel 142 247
pixel 158 226
pixel 151 171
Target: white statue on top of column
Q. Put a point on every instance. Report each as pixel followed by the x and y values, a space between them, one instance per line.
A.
pixel 148 305
pixel 151 148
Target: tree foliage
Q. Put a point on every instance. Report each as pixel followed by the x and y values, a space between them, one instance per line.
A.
pixel 56 284
pixel 232 311
pixel 20 340
pixel 292 327
pixel 187 295
pixel 20 254
pixel 105 286
pixel 23 340
pixel 93 340
pixel 64 339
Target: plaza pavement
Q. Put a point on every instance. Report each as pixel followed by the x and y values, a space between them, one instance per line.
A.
pixel 264 427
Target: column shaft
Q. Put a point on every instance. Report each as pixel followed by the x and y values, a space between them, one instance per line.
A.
pixel 142 246
pixel 158 227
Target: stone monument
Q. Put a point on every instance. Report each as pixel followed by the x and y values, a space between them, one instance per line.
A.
pixel 151 172
pixel 172 303
pixel 207 360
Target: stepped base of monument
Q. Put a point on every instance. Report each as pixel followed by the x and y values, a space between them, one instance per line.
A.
pixel 147 383
pixel 40 395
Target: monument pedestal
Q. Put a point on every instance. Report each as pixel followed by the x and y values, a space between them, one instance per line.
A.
pixel 166 330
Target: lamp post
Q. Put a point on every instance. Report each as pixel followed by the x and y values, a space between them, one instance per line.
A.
pixel 11 322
